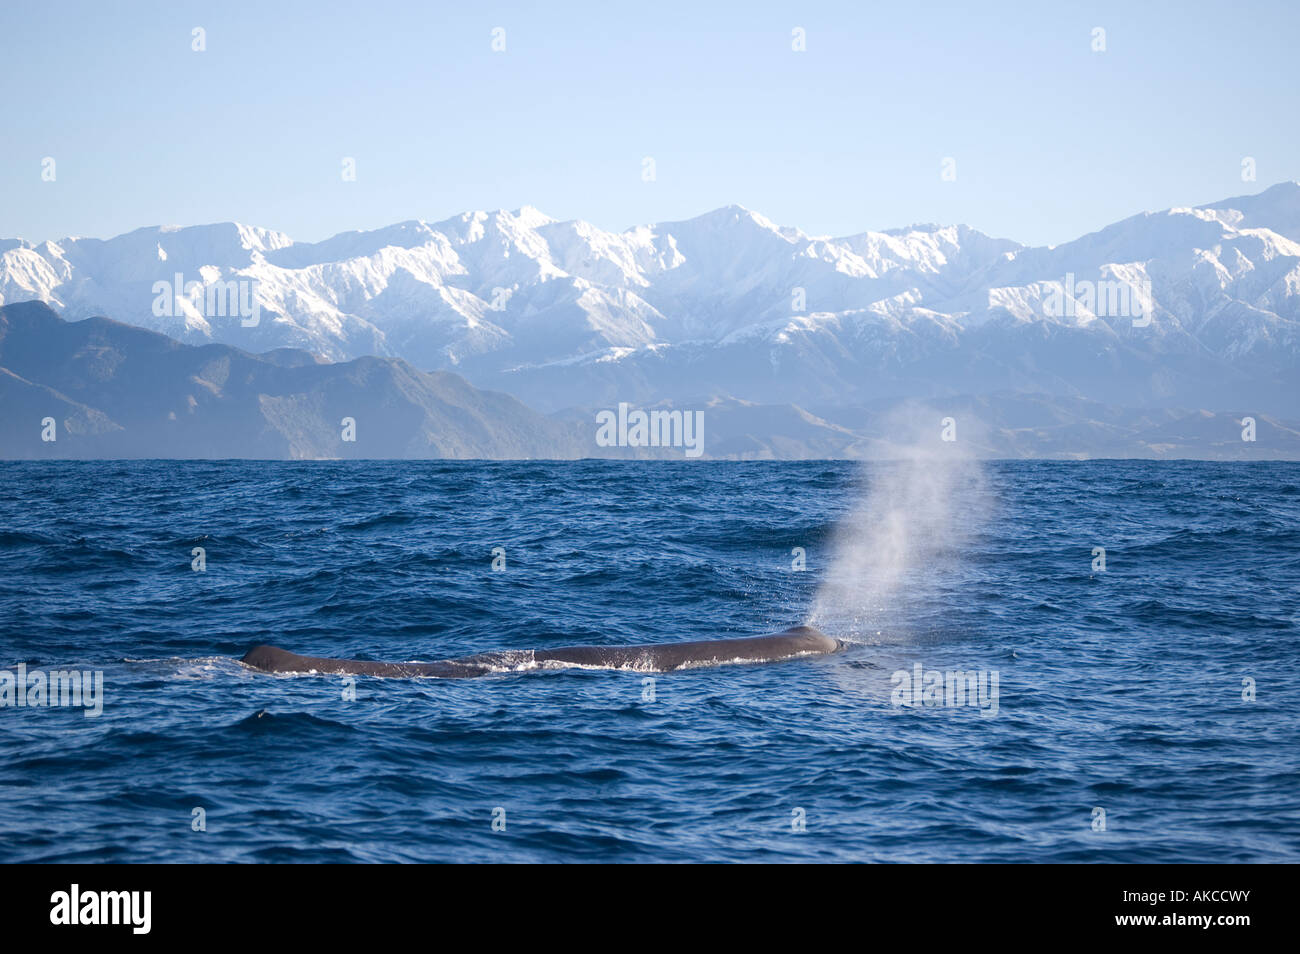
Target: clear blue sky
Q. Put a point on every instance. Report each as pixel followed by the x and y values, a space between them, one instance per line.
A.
pixel 1050 138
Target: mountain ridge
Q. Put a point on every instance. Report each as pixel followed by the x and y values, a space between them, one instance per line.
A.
pixel 115 390
pixel 99 388
pixel 563 313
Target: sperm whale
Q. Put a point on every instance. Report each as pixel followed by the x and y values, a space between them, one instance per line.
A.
pixel 654 657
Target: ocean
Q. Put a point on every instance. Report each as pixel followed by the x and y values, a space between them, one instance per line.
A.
pixel 1046 662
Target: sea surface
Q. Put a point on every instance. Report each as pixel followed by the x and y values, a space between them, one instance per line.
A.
pixel 1147 710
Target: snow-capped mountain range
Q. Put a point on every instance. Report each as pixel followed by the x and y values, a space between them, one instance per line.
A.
pixel 1195 307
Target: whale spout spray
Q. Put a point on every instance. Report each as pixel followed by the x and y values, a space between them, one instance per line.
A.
pixel 896 550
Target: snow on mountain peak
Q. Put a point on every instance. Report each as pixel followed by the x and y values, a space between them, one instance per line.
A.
pixel 489 291
pixel 530 217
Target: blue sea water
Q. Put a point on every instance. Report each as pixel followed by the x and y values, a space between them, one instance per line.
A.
pixel 1120 690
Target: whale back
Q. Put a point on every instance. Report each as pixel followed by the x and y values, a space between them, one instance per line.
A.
pixel 652 657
